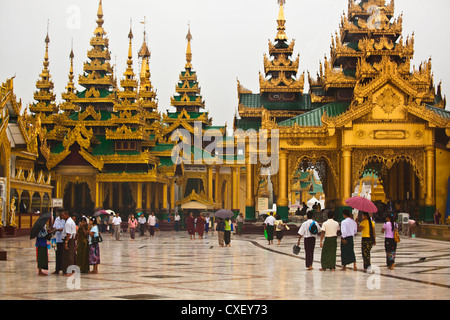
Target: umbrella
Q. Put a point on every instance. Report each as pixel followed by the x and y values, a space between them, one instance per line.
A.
pixel 138 214
pixel 224 213
pixel 39 224
pixel 100 212
pixel 109 212
pixel 362 204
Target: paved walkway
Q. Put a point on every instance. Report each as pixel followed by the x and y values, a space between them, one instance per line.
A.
pixel 173 267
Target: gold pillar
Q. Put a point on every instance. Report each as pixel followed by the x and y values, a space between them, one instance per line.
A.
pixel 58 188
pixel 209 172
pixel 430 199
pixel 111 195
pixel 97 194
pixel 216 197
pixel 139 196
pixel 72 195
pixel 156 196
pixel 172 194
pixel 412 183
pixel 346 175
pixel 283 200
pixel 235 183
pixel 148 193
pixel 250 199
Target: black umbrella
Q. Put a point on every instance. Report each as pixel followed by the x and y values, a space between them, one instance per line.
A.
pixel 224 213
pixel 39 224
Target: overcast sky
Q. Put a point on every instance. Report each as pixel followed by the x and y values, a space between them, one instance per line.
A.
pixel 229 40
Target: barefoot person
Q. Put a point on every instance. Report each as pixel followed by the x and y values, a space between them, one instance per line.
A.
pixel 329 247
pixel 94 247
pixel 349 228
pixel 69 234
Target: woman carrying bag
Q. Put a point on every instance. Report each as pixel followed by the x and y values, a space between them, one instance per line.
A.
pixel 390 230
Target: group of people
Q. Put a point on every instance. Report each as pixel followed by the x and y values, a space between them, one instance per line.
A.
pixel 310 230
pixel 134 225
pixel 76 245
pixel 197 225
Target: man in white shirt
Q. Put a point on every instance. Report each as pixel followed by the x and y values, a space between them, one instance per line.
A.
pixel 177 220
pixel 117 221
pixel 309 239
pixel 269 224
pixel 58 228
pixel 152 224
pixel 330 229
pixel 349 229
pixel 68 234
pixel 142 221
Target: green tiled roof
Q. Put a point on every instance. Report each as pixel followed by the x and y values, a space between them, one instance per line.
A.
pixel 252 100
pixel 250 123
pixel 440 112
pixel 314 118
pixel 107 147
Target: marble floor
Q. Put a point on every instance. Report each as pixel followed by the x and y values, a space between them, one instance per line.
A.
pixel 173 267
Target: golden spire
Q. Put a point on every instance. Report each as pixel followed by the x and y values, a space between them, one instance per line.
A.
pixel 100 21
pixel 188 50
pixel 281 22
pixel 71 86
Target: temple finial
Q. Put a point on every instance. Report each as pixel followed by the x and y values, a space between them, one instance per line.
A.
pixel 281 22
pixel 188 50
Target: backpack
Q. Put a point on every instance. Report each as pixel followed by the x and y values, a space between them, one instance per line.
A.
pixel 313 228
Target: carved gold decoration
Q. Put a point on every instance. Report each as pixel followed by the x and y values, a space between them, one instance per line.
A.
pixel 388 100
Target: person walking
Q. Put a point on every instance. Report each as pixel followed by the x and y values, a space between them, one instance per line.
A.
pixel 151 224
pixel 177 220
pixel 191 225
pixel 69 233
pixel 279 226
pixel 117 222
pixel 111 224
pixel 200 226
pixel 309 234
pixel 58 227
pixel 330 229
pixel 220 231
pixel 83 246
pixel 207 223
pixel 132 225
pixel 390 246
pixel 142 221
pixel 367 226
pixel 94 247
pixel 227 232
pixel 240 224
pixel 269 226
pixel 349 228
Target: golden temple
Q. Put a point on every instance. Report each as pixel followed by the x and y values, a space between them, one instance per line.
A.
pixel 106 146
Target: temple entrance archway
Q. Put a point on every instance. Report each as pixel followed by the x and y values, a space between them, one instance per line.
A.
pixel 399 182
pixel 77 197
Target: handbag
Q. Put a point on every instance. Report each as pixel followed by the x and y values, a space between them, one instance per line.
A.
pixel 296 249
pixel 98 239
pixel 396 235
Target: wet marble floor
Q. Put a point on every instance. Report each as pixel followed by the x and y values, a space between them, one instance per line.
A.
pixel 173 267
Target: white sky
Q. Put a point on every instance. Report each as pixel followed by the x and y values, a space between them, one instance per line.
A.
pixel 230 38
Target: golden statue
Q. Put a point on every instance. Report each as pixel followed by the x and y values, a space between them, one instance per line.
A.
pixel 13 213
